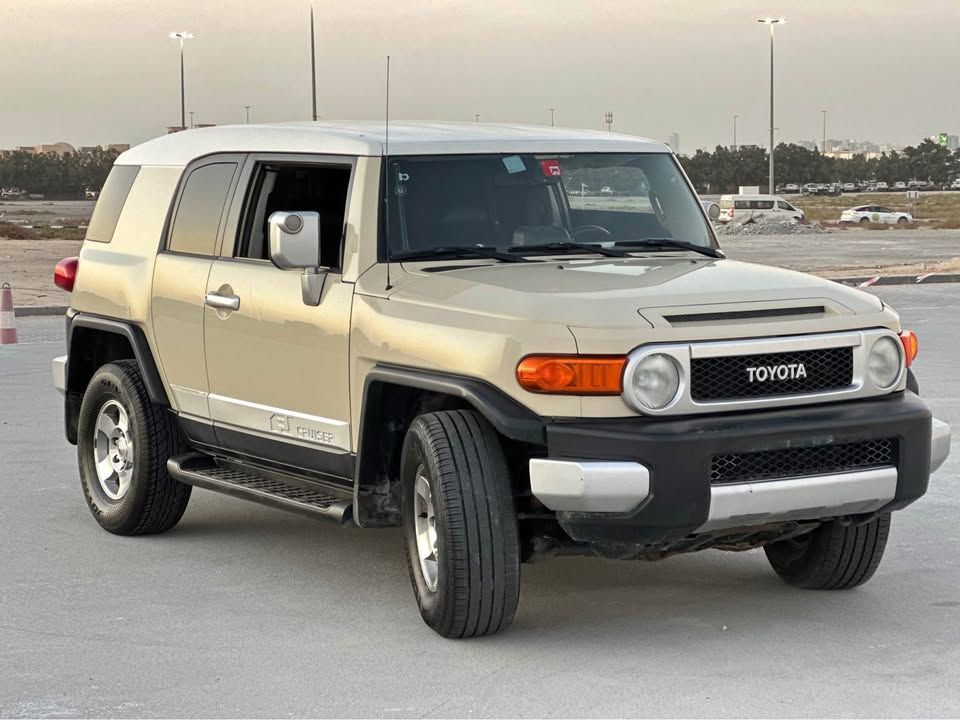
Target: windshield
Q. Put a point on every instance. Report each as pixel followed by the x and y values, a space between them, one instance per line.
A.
pixel 514 201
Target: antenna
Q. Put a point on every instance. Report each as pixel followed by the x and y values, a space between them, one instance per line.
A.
pixel 386 172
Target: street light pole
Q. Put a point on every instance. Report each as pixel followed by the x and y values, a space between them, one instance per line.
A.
pixel 771 22
pixel 181 36
pixel 476 118
pixel 735 132
pixel 551 117
pixel 313 65
pixel 608 117
pixel 824 150
pixel 247 108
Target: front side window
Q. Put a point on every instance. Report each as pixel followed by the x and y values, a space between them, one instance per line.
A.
pixel 510 201
pixel 296 188
pixel 197 221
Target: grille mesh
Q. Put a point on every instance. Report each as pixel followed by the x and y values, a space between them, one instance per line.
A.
pixel 727 378
pixel 802 461
pixel 273 487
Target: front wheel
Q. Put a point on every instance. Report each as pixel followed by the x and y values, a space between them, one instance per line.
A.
pixel 459 524
pixel 901 221
pixel 832 557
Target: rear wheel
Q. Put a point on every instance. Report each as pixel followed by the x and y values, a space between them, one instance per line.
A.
pixel 459 525
pixel 123 444
pixel 901 221
pixel 864 221
pixel 832 557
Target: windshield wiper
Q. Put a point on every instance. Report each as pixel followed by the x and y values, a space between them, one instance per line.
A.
pixel 569 246
pixel 465 251
pixel 669 243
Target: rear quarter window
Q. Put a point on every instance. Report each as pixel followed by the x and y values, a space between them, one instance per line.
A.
pixel 113 195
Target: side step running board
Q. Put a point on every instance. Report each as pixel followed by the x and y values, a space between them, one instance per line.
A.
pixel 202 471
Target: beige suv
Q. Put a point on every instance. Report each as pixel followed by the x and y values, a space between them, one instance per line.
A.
pixel 511 342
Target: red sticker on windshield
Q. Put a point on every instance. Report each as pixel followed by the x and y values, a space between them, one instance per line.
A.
pixel 550 168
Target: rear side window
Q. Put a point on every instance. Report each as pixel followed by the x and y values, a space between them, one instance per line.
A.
pixel 762 204
pixel 110 204
pixel 197 221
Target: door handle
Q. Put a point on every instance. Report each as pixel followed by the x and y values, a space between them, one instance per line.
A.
pixel 221 302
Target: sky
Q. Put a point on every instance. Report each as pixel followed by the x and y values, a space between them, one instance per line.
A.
pixel 105 71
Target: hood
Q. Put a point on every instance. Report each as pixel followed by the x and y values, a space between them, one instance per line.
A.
pixel 621 293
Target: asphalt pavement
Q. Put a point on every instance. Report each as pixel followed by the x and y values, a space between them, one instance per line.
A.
pixel 246 611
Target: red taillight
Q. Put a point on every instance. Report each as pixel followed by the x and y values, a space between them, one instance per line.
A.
pixel 65 273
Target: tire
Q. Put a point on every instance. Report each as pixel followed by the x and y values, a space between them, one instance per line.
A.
pixel 152 501
pixel 901 221
pixel 832 557
pixel 864 221
pixel 475 587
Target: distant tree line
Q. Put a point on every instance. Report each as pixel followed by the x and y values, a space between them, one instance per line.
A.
pixel 53 175
pixel 724 169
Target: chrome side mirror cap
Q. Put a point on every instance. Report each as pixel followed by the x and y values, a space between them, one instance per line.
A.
pixel 295 245
pixel 294 239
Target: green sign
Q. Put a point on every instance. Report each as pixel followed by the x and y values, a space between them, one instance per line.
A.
pixel 942 139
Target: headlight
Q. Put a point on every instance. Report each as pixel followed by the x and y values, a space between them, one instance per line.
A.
pixel 654 382
pixel 884 363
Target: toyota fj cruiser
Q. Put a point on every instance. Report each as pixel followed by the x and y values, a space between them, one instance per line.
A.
pixel 459 333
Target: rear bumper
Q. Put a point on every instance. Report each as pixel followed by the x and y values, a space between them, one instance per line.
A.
pixel 652 476
pixel 60 374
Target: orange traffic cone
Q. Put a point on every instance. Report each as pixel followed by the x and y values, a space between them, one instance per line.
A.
pixel 8 325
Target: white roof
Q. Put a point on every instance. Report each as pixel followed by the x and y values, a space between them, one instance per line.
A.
pixel 367 138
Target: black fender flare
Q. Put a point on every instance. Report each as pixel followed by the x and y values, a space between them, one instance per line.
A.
pixel 138 342
pixel 508 417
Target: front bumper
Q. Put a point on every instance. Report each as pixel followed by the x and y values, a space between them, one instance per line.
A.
pixel 645 480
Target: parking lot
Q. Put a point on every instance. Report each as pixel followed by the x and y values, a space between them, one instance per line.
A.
pixel 246 611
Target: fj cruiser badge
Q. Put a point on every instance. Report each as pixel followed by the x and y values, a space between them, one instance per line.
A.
pixel 764 373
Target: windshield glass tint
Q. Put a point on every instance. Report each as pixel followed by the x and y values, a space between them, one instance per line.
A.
pixel 507 201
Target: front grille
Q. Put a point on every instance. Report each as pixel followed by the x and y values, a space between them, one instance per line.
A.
pixel 729 378
pixel 803 461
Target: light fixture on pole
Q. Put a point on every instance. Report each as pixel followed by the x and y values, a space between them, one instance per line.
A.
pixel 608 118
pixel 313 65
pixel 772 22
pixel 181 36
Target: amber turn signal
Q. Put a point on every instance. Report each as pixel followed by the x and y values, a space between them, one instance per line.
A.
pixel 911 346
pixel 572 374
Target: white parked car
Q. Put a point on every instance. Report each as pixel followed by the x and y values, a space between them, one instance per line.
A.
pixel 755 206
pixel 875 214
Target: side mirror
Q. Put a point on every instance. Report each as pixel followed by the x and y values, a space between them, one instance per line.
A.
pixel 294 239
pixel 712 209
pixel 295 244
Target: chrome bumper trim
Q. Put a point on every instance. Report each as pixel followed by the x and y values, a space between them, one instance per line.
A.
pixel 939 444
pixel 589 486
pixel 60 374
pixel 807 498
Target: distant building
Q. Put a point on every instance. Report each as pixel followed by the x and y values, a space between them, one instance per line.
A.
pixel 64 148
pixel 60 148
pixel 953 142
pixel 171 129
pixel 674 142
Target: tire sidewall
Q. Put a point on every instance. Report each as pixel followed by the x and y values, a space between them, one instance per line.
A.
pixel 433 604
pixel 115 515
